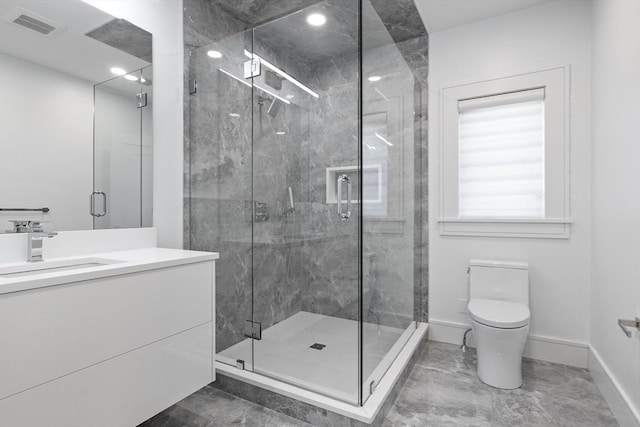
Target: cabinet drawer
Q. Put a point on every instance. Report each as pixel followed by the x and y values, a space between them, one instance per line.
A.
pixel 50 332
pixel 120 392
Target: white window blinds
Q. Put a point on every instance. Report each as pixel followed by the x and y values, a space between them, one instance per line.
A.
pixel 501 156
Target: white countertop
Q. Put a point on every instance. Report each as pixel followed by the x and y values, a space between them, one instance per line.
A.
pixel 127 262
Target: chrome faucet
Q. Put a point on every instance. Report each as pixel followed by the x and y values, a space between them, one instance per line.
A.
pixel 34 245
pixel 35 233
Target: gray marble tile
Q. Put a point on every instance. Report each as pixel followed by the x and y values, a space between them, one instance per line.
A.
pixel 437 397
pixel 552 395
pixel 440 388
pixel 211 407
pixel 401 18
pixel 443 389
pixel 176 416
pixel 123 35
pixel 205 22
pixel 258 11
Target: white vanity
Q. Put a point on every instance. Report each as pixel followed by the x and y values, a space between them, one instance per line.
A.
pixel 104 339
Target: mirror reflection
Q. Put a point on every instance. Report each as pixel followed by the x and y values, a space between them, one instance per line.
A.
pixel 75 117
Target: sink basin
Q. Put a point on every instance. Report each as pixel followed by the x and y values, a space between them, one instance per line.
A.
pixel 44 267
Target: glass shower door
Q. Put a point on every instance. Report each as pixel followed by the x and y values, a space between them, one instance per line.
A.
pixel 122 152
pixel 220 199
pixel 391 207
pixel 306 257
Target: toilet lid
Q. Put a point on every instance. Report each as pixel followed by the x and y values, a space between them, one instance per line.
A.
pixel 499 314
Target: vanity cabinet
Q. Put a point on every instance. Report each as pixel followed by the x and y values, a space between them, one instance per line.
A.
pixel 111 351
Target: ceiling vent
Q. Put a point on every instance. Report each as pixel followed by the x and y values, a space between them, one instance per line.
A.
pixel 33 22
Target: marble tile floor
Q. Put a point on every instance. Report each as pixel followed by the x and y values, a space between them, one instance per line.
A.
pixel 442 390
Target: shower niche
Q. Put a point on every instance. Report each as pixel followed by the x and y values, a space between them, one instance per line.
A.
pixel 319 142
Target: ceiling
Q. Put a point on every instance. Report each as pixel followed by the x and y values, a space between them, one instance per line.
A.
pixel 440 15
pixel 68 51
pixel 290 38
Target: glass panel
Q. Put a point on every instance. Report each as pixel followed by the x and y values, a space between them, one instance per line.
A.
pixel 306 257
pixel 147 148
pixel 391 226
pixel 219 184
pixel 117 152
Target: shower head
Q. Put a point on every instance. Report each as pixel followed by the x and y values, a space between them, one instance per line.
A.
pixel 275 106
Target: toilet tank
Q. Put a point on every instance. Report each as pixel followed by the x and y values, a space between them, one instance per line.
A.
pixel 499 280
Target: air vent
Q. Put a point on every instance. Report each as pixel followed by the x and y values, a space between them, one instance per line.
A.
pixel 33 22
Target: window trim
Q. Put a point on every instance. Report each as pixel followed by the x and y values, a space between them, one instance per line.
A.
pixel 557 221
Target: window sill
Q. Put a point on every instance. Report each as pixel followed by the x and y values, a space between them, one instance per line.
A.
pixel 504 227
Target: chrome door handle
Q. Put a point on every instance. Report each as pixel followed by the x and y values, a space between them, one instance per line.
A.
pixel 342 179
pixel 92 204
pixel 624 324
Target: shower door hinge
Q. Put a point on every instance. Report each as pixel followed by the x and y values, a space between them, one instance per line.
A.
pixel 253 330
pixel 142 99
pixel 240 364
pixel 193 86
pixel 251 68
pixel 372 387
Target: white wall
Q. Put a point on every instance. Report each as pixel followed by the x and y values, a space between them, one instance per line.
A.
pixel 46 144
pixel 162 18
pixel 547 36
pixel 616 195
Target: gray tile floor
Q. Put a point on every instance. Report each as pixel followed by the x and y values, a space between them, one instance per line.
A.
pixel 442 390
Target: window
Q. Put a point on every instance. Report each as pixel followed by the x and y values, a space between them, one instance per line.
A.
pixel 505 157
pixel 501 156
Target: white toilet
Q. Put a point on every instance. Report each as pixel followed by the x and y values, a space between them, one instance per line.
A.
pixel 499 311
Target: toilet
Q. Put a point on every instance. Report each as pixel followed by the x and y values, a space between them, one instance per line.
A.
pixel 499 311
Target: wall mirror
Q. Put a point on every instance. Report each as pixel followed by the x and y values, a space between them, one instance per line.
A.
pixel 75 117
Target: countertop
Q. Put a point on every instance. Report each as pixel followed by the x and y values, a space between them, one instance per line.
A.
pixel 126 262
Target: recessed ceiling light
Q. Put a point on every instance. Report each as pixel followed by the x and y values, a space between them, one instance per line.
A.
pixel 281 133
pixel 375 78
pixel 234 114
pixel 290 96
pixel 316 19
pixel 118 71
pixel 214 54
pixel 131 77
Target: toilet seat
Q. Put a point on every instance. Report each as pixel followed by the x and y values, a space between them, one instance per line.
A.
pixel 499 314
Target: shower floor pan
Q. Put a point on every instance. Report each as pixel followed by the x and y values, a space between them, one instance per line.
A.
pixel 314 358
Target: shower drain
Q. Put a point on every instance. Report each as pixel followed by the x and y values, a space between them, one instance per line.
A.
pixel 317 346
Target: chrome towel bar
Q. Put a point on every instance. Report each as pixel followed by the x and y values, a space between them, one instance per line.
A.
pixel 45 210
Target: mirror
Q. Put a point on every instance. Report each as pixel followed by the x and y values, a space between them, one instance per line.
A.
pixel 75 117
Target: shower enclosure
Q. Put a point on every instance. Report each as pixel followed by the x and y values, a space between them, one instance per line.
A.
pixel 303 172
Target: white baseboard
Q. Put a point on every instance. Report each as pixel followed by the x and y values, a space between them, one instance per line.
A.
pixel 621 405
pixel 538 347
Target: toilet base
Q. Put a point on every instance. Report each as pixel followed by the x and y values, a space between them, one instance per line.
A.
pixel 499 353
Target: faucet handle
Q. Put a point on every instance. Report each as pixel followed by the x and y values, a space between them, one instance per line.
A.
pixel 36 227
pixel 19 226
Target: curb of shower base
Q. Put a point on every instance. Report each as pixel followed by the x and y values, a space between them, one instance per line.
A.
pixel 366 413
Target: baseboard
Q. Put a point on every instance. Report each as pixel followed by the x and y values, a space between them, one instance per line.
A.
pixel 621 405
pixel 538 347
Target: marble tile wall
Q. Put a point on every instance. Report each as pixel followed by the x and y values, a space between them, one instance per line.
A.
pixel 218 159
pixel 307 259
pixel 123 35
